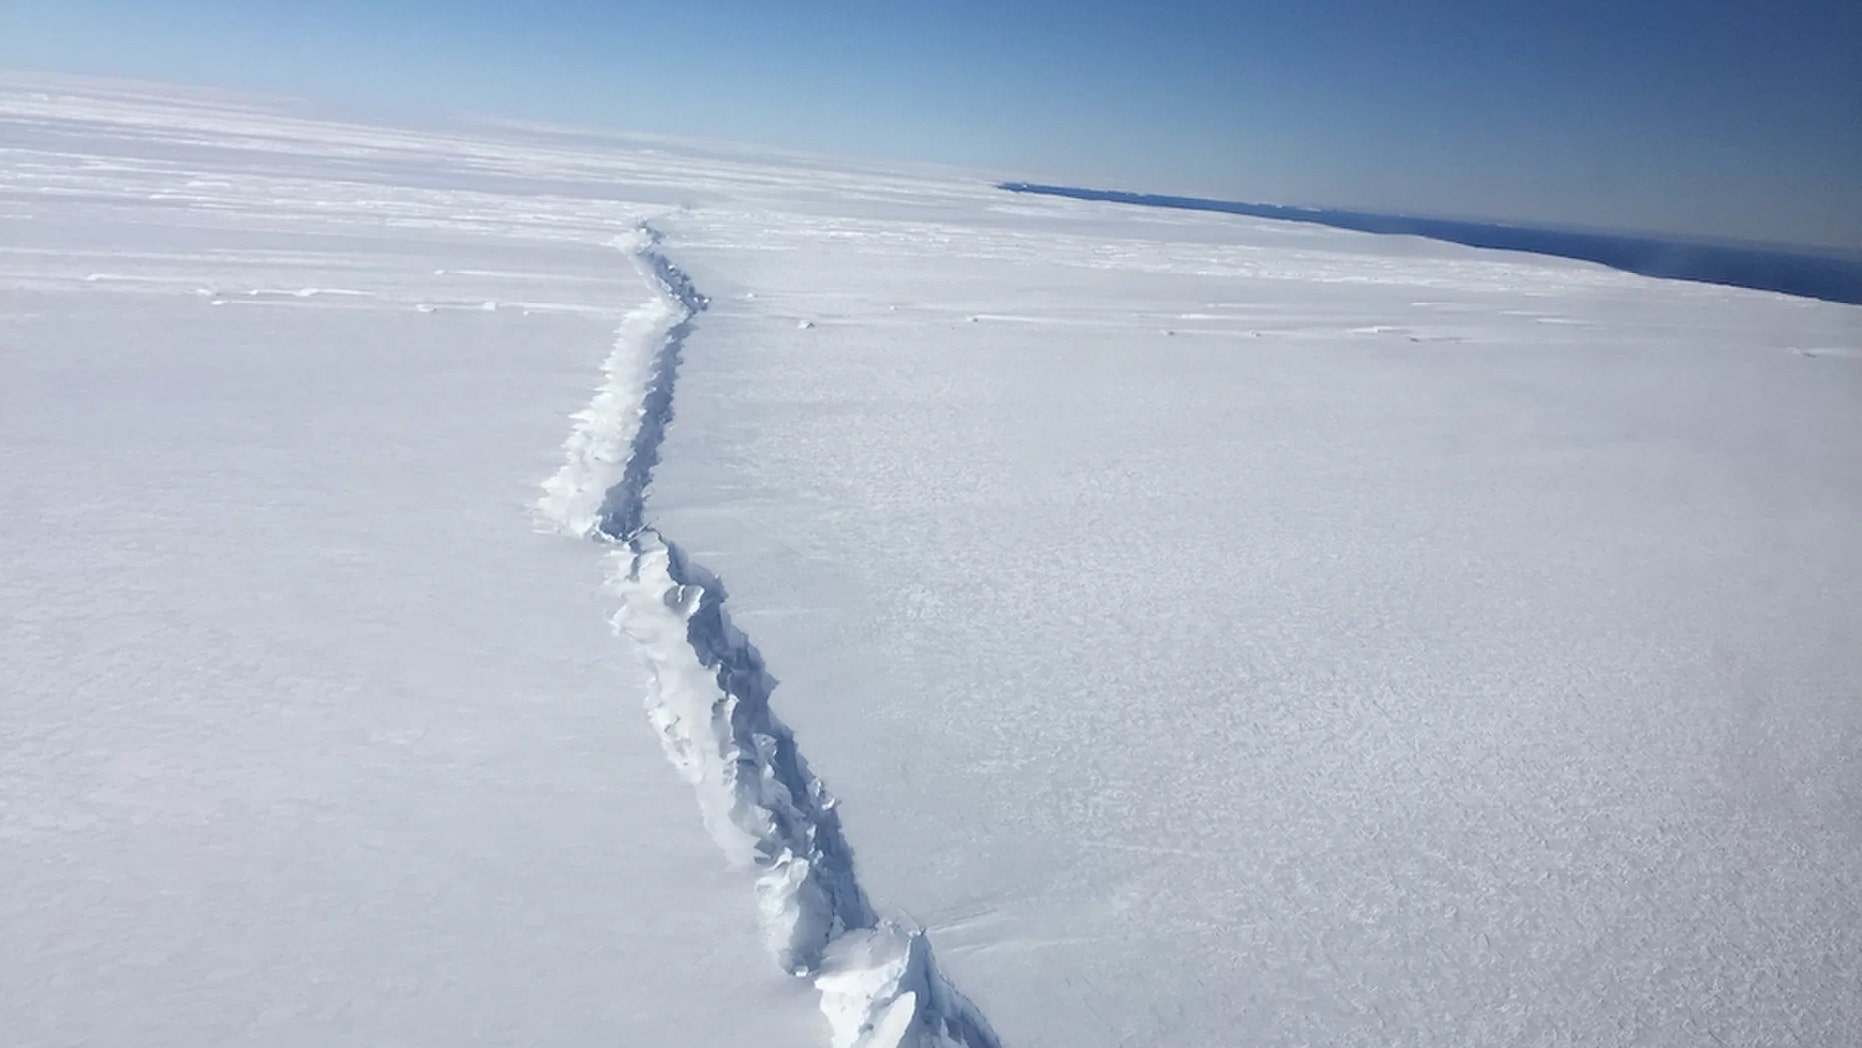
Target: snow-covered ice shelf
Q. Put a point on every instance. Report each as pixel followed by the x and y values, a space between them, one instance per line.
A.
pixel 1215 632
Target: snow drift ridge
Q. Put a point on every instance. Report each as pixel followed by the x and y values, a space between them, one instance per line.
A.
pixel 709 701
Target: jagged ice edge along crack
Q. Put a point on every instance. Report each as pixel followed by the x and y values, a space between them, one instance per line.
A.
pixel 709 703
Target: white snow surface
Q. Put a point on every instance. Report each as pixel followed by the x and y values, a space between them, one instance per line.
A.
pixel 1213 631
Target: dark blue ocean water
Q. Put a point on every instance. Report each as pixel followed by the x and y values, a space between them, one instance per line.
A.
pixel 1833 277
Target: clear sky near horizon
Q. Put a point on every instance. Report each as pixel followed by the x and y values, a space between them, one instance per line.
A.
pixel 1716 118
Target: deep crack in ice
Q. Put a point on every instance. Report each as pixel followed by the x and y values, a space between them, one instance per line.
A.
pixel 709 701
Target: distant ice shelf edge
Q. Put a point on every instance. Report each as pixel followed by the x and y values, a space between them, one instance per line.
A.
pixel 708 700
pixel 1832 276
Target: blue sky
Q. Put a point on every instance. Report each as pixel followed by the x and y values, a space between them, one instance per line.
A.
pixel 1712 117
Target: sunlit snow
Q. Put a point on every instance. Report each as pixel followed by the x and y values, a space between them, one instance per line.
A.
pixel 1187 628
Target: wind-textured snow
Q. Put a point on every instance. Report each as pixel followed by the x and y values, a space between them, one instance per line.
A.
pixel 1217 632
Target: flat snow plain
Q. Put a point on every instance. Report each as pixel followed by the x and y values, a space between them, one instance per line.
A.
pixel 1216 631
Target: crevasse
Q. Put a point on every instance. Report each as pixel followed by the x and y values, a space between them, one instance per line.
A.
pixel 709 702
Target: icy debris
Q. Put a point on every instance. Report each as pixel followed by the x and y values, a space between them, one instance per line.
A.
pixel 804 325
pixel 709 699
pixel 880 988
pixel 614 445
pixel 600 442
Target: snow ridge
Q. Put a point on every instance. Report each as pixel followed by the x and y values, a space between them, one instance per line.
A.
pixel 709 702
